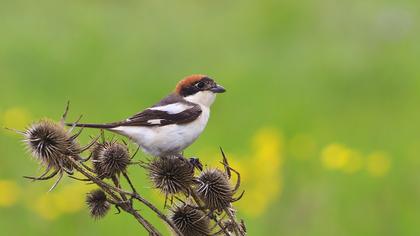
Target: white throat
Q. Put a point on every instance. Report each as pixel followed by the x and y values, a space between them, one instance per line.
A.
pixel 204 98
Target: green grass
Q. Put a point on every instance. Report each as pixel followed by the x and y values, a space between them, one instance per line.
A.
pixel 343 72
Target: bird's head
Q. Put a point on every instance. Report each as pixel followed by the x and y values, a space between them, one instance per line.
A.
pixel 199 89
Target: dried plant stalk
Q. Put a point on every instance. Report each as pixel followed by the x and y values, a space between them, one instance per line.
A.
pixel 200 200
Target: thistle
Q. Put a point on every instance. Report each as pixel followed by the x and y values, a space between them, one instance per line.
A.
pixel 171 175
pixel 190 221
pixel 97 204
pixel 57 149
pixel 214 189
pixel 52 146
pixel 110 159
pixel 50 143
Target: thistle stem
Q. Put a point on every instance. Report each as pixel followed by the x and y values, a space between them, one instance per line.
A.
pixel 200 206
pixel 108 189
pixel 236 227
pixel 148 226
pixel 159 213
pixel 63 156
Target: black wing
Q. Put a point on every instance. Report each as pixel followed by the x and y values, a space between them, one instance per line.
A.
pixel 154 117
pixel 161 118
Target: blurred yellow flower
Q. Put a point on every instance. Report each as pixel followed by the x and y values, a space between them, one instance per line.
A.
pixel 262 172
pixel 9 193
pixel 69 199
pixel 16 118
pixel 335 156
pixel 267 144
pixel 378 164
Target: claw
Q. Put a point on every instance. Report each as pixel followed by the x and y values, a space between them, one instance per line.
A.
pixel 195 162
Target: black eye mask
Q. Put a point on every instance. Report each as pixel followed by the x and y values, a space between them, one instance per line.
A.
pixel 202 85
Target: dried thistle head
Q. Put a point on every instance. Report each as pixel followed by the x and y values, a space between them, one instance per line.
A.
pixel 214 189
pixel 171 175
pixel 110 158
pixel 97 203
pixel 49 143
pixel 190 221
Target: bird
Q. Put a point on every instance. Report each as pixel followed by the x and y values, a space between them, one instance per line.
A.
pixel 172 124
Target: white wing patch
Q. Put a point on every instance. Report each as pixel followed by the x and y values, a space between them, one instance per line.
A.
pixel 155 121
pixel 172 108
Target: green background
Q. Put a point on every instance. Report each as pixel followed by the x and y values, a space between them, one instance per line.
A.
pixel 345 72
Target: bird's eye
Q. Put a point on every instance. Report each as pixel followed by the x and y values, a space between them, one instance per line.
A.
pixel 200 85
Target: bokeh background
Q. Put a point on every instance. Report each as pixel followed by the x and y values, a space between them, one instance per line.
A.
pixel 321 115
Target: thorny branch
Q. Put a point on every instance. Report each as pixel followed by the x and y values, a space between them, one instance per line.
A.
pixel 201 196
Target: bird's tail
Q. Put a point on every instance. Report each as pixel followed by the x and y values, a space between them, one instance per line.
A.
pixel 96 126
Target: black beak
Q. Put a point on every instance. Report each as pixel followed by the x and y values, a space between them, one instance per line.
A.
pixel 218 89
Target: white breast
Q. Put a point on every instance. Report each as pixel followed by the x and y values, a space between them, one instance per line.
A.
pixel 169 139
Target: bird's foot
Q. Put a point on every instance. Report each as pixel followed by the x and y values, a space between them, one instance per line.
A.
pixel 196 163
pixel 193 161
